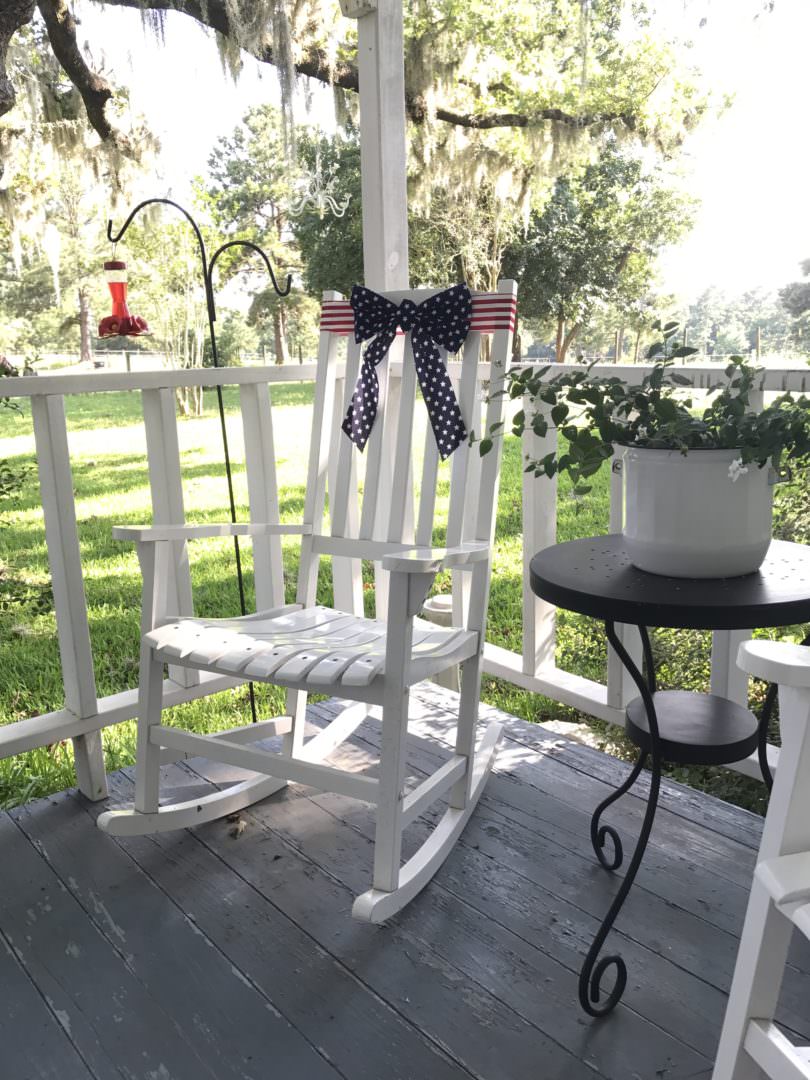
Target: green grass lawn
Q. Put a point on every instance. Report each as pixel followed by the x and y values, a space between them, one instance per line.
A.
pixel 111 487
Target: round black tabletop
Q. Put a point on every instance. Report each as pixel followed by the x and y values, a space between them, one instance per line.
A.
pixel 595 577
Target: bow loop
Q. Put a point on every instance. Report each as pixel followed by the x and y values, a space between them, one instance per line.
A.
pixel 443 320
pixel 447 316
pixel 372 313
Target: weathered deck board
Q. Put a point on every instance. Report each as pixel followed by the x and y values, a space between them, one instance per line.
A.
pixel 167 955
pixel 197 954
pixel 46 1053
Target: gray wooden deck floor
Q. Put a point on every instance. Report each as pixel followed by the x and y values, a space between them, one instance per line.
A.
pixel 204 956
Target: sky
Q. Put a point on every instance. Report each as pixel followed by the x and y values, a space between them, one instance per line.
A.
pixel 749 167
pixel 180 87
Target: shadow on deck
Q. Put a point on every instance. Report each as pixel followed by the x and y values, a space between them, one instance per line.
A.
pixel 203 955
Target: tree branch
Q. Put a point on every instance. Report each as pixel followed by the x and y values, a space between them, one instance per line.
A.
pixel 316 65
pixel 95 91
pixel 214 14
pixel 484 121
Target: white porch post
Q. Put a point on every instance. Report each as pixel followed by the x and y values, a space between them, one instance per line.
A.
pixel 383 141
pixel 383 170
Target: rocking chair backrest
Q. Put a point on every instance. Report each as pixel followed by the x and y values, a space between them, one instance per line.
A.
pixel 390 512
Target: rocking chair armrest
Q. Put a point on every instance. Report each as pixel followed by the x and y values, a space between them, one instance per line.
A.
pixel 150 534
pixel 776 661
pixel 432 560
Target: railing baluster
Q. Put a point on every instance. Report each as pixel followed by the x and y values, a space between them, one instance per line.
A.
pixel 539 531
pixel 344 509
pixel 166 483
pixel 64 556
pixel 620 687
pixel 727 679
pixel 260 467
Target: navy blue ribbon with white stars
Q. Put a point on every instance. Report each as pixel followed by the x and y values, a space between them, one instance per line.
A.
pixel 441 320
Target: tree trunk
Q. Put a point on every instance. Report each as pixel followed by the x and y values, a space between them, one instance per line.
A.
pixel 517 345
pixel 566 343
pixel 636 346
pixel 620 344
pixel 14 14
pixel 280 336
pixel 559 352
pixel 85 335
pixel 181 396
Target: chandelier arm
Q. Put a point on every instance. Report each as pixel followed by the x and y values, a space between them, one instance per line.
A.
pixel 338 209
pixel 297 207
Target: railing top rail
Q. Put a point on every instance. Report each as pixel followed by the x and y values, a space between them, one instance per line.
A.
pixel 701 375
pixel 27 386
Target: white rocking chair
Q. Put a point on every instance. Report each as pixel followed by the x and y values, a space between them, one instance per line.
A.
pixel 306 647
pixel 751 1045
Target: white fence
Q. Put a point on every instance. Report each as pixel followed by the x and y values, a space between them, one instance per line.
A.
pixel 85 715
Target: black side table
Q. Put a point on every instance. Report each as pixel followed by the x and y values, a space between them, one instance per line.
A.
pixel 594 577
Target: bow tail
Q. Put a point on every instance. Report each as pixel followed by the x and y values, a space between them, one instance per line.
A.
pixel 363 407
pixel 362 410
pixel 444 413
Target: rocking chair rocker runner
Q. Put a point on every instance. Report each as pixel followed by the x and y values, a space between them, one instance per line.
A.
pixel 307 647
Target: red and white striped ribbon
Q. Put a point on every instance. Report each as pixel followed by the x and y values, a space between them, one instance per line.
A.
pixel 491 311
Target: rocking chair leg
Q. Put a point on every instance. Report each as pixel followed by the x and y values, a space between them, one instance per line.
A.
pixel 466 729
pixel 388 835
pixel 297 709
pixel 150 702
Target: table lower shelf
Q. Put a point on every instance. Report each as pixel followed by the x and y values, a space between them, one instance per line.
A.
pixel 695 729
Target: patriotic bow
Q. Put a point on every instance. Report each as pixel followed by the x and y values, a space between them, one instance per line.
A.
pixel 441 320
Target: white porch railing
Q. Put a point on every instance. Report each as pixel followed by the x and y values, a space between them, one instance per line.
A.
pixel 85 715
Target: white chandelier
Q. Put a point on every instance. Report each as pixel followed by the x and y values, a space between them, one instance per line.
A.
pixel 317 192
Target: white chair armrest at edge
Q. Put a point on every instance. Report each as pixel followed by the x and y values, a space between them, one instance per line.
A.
pixel 432 560
pixel 776 662
pixel 146 534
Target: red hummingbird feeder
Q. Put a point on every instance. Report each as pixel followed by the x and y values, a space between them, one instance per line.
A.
pixel 120 323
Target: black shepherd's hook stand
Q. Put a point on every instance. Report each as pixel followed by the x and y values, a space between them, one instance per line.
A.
pixel 207 273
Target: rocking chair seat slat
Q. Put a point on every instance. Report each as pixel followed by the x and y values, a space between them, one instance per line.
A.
pixel 316 645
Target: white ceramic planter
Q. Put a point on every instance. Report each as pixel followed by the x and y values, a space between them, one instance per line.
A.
pixel 685 517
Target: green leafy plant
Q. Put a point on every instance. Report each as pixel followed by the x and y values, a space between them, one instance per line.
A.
pixel 667 347
pixel 595 414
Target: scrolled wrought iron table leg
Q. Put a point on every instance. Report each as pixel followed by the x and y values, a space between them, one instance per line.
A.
pixel 594 968
pixel 601 833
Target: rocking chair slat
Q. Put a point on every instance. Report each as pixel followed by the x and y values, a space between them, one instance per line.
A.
pixel 466 469
pixel 402 484
pixel 427 492
pixel 459 489
pixel 347 574
pixel 370 662
pixel 373 458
